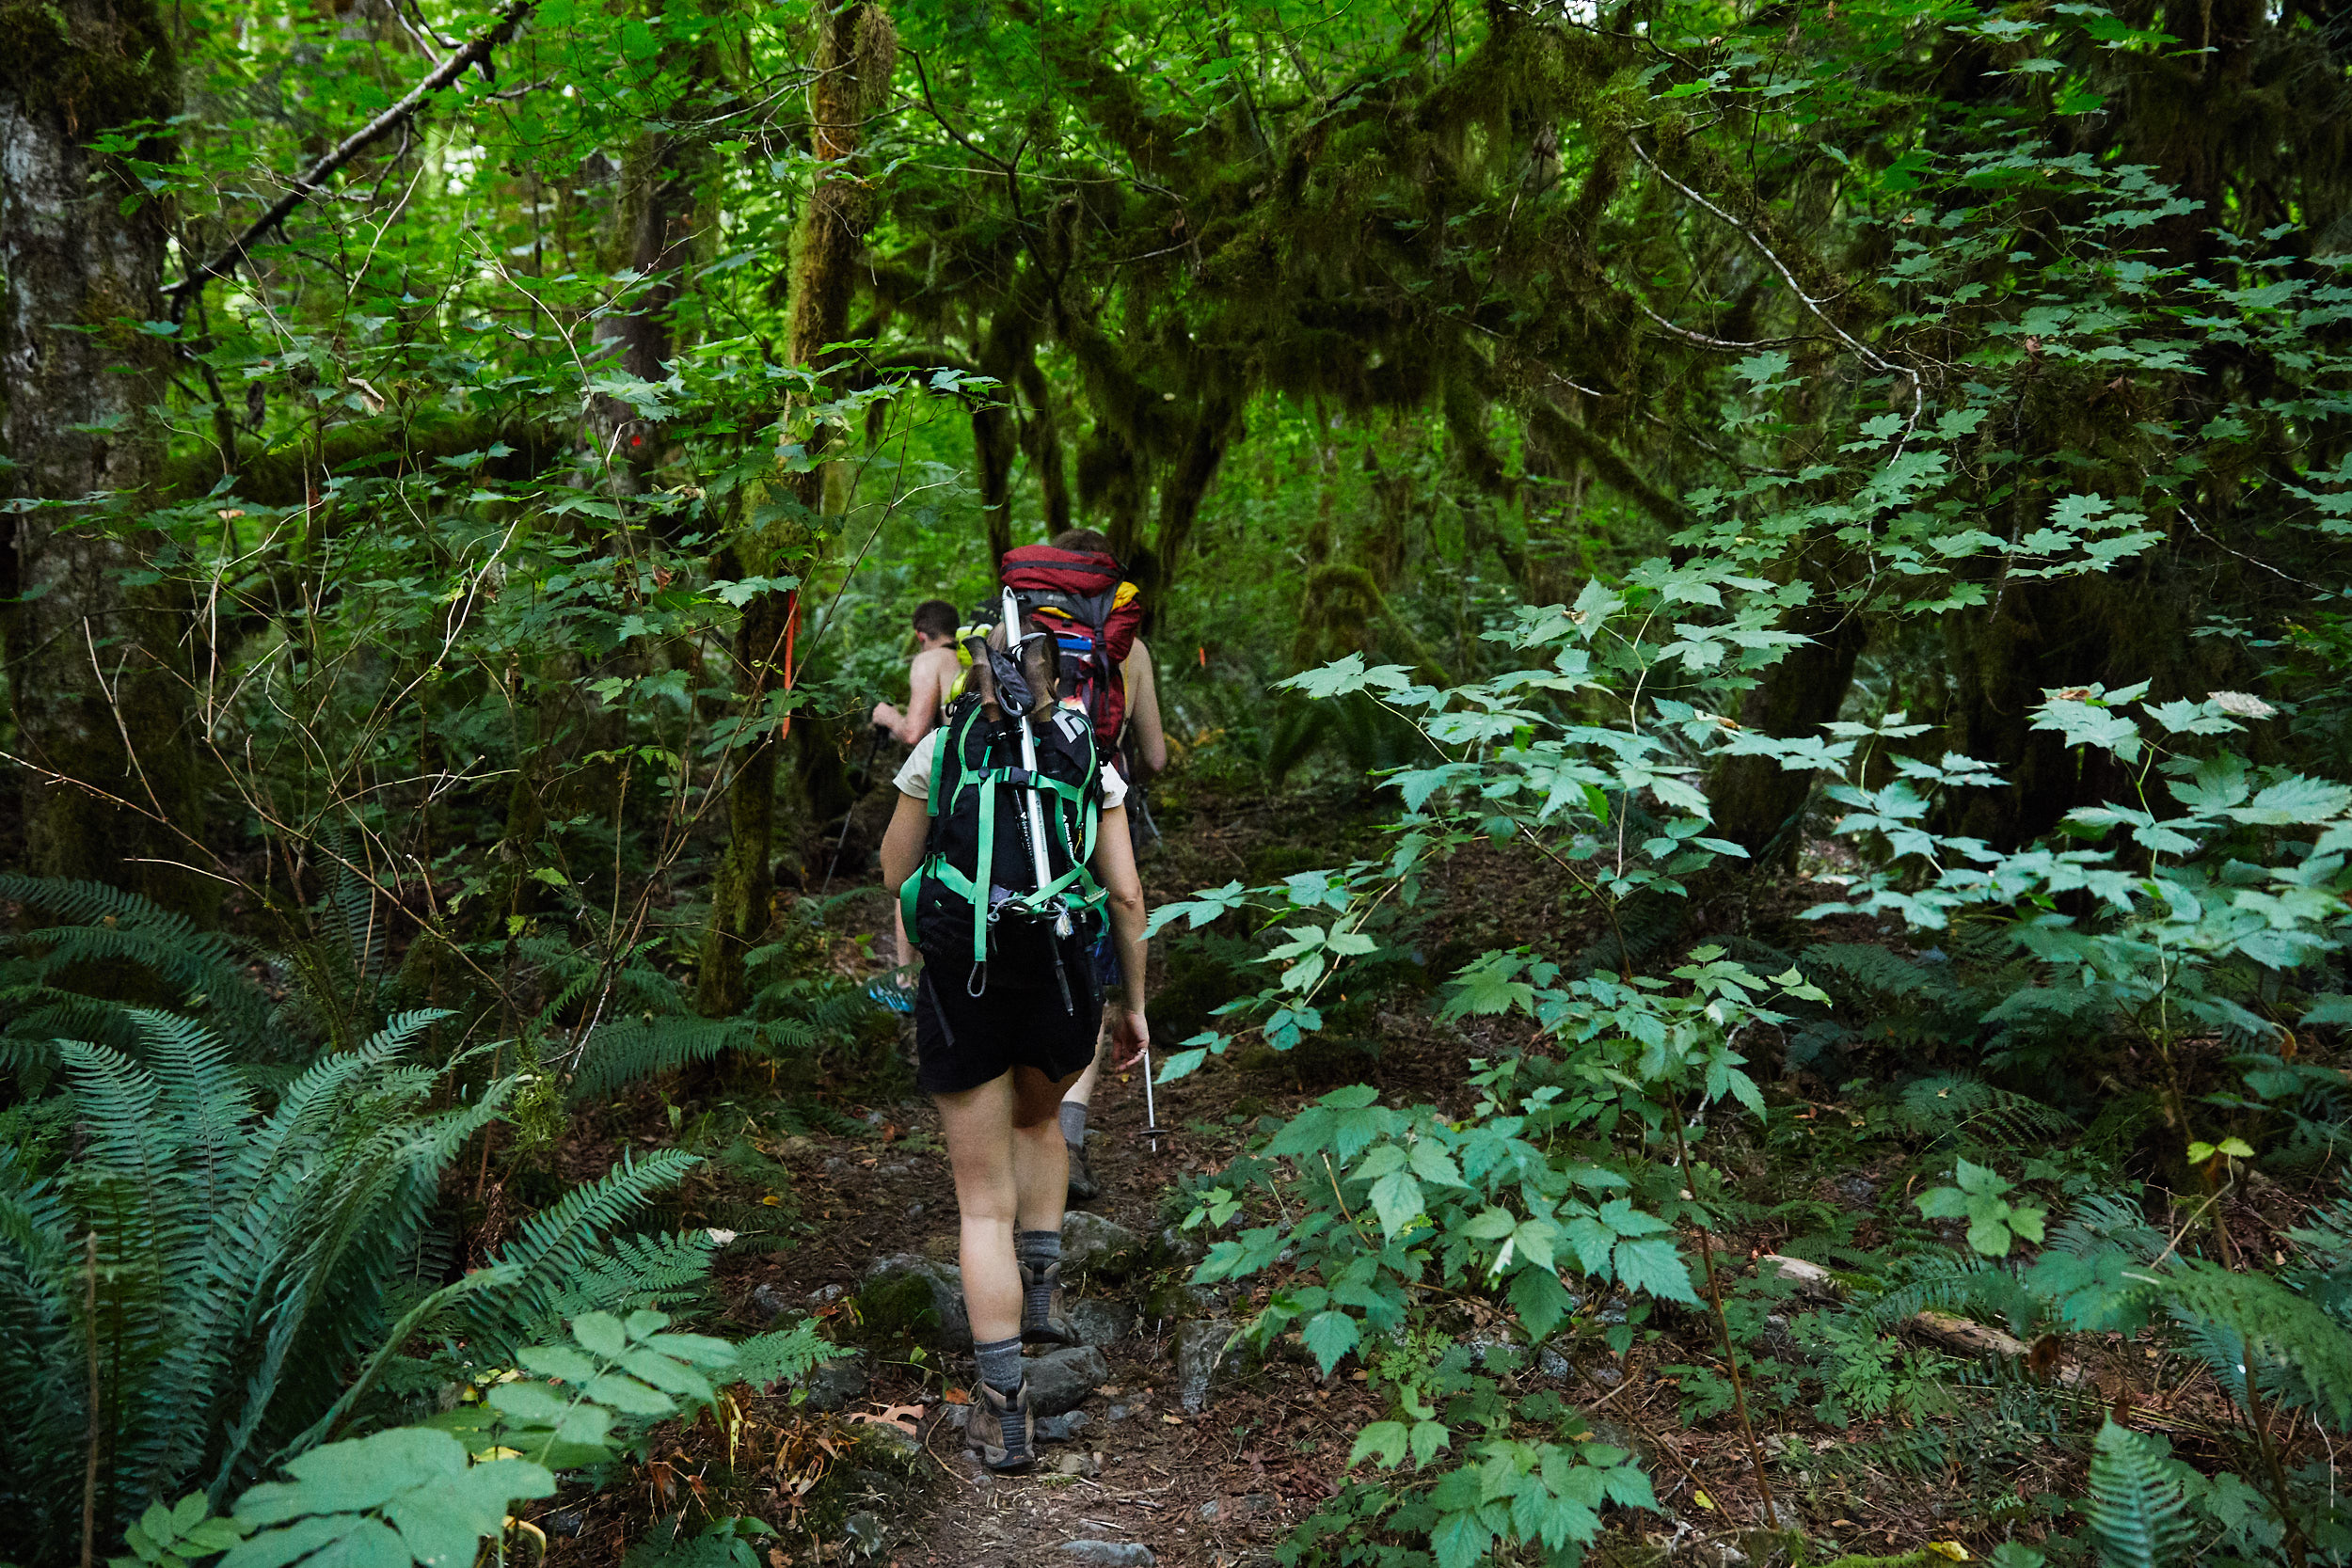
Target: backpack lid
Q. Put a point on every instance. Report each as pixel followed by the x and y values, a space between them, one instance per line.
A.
pixel 1041 568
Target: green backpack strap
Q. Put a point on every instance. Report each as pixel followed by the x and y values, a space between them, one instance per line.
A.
pixel 1079 804
pixel 931 864
pixel 1086 801
pixel 935 863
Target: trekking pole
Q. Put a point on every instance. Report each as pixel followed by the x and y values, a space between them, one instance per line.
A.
pixel 1032 815
pixel 865 770
pixel 1150 1113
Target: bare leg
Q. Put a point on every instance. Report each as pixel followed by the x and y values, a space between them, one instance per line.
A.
pixel 1040 1161
pixel 1005 1147
pixel 977 1125
pixel 1082 1092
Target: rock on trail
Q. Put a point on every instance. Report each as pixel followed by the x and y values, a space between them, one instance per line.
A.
pixel 1201 1359
pixel 1059 1383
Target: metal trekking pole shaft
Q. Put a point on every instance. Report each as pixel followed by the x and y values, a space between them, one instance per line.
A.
pixel 1151 1112
pixel 1032 814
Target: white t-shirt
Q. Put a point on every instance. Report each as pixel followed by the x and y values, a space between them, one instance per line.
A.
pixel 915 775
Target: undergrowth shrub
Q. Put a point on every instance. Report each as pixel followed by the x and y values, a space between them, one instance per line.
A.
pixel 2210 907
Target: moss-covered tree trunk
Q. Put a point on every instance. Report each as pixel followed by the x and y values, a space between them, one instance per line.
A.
pixel 662 223
pixel 100 699
pixel 994 451
pixel 1757 802
pixel 1041 443
pixel 1185 485
pixel 855 50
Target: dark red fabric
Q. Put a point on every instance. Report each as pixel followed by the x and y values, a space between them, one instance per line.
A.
pixel 1080 572
pixel 1071 593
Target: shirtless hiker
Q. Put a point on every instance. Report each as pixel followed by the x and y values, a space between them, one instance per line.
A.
pixel 932 672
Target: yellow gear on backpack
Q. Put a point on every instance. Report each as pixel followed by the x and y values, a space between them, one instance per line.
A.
pixel 963 662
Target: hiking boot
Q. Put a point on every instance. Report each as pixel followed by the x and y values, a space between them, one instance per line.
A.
pixel 1083 1187
pixel 1001 1429
pixel 1053 1327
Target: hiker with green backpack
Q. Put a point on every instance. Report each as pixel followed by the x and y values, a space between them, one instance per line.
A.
pixel 1009 856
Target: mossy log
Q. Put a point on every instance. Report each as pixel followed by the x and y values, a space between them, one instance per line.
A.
pixel 387 446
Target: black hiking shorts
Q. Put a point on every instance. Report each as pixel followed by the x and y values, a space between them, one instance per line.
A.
pixel 963 1041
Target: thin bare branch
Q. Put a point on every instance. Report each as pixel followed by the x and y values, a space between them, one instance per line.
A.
pixel 312 181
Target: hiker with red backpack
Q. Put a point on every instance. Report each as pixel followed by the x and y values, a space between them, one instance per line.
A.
pixel 1009 858
pixel 1127 725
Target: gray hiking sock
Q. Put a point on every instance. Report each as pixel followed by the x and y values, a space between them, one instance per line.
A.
pixel 1074 1123
pixel 1038 1250
pixel 1000 1364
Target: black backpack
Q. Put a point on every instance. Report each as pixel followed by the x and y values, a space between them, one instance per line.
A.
pixel 996 920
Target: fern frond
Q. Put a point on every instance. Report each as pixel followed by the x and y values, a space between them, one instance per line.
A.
pixel 204 1098
pixel 635 983
pixel 1951 1279
pixel 556 1243
pixel 811 1117
pixel 2328 1232
pixel 349 916
pixel 783 1356
pixel 1647 925
pixel 2322 1271
pixel 112 926
pixel 630 1271
pixel 2275 1325
pixel 2135 1507
pixel 2225 1354
pixel 669 1545
pixel 1846 968
pixel 46 1412
pixel 244 1263
pixel 623 1053
pixel 41 1015
pixel 798 1012
pixel 1958 1107
pixel 2103 1221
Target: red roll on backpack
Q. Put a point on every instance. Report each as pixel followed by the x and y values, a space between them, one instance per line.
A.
pixel 1077 596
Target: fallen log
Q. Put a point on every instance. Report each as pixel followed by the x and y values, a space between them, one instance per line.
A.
pixel 1810 1281
pixel 1975 1338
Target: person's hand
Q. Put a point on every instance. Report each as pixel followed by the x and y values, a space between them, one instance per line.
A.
pixel 1130 1034
pixel 886 716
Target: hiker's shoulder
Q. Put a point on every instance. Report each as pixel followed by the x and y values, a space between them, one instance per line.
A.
pixel 914 774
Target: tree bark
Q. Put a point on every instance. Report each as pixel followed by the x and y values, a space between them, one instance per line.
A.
pixel 994 449
pixel 659 229
pixel 100 693
pixel 1756 801
pixel 2127 625
pixel 855 50
pixel 1041 443
pixel 1184 487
